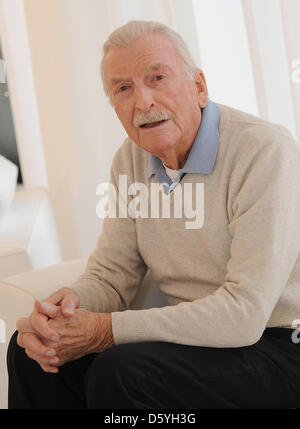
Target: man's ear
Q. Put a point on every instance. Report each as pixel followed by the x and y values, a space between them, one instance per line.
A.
pixel 201 88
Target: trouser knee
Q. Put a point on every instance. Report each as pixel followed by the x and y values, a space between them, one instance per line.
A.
pixel 15 354
pixel 108 382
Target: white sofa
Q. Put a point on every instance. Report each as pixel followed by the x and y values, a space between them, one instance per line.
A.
pixel 17 294
pixel 26 221
pixel 28 236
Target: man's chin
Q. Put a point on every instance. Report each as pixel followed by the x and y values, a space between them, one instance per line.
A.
pixel 158 148
pixel 156 144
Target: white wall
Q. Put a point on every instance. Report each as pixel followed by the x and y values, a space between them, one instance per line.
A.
pixel 291 28
pixel 16 51
pixel 271 65
pixel 225 55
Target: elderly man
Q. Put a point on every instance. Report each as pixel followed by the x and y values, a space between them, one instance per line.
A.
pixel 225 339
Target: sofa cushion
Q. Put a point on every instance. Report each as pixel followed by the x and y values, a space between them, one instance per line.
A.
pixel 8 181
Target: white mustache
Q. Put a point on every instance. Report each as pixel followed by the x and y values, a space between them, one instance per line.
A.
pixel 151 116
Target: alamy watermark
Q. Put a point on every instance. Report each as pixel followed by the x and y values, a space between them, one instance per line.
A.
pixel 296 333
pixel 186 201
pixel 296 70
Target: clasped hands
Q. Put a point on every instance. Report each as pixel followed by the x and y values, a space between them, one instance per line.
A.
pixel 58 331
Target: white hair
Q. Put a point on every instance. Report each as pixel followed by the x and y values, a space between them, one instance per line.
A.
pixel 131 31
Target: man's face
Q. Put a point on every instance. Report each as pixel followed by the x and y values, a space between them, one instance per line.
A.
pixel 157 105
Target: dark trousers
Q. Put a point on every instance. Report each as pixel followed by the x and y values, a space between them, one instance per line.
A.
pixel 151 375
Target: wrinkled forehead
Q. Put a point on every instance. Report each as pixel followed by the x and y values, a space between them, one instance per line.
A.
pixel 146 54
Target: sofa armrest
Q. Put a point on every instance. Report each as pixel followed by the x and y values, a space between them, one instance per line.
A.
pixel 29 222
pixel 41 283
pixel 17 295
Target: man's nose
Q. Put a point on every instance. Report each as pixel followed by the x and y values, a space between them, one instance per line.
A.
pixel 143 99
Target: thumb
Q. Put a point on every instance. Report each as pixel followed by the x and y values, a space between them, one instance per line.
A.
pixel 69 305
pixel 47 308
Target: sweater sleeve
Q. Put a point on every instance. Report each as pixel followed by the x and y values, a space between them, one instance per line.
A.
pixel 264 200
pixel 115 269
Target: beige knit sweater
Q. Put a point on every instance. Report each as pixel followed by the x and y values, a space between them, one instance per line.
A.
pixel 226 281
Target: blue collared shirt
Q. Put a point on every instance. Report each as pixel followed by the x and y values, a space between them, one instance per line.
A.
pixel 202 155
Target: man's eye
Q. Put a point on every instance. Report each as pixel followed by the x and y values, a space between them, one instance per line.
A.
pixel 159 77
pixel 123 88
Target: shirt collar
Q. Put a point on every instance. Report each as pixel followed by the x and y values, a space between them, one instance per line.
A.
pixel 204 151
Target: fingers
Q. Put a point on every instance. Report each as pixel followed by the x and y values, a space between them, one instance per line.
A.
pixel 43 354
pixel 69 303
pixel 24 325
pixel 47 308
pixel 67 299
pixel 31 342
pixel 56 297
pixel 46 365
pixel 45 362
pixel 52 369
pixel 36 334
pixel 34 349
pixel 39 323
pixel 68 307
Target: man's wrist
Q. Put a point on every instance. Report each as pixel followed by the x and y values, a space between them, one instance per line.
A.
pixel 104 333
